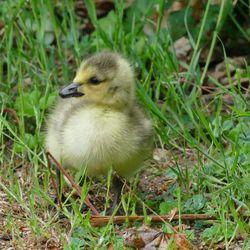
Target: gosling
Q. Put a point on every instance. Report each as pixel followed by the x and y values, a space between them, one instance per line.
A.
pixel 97 123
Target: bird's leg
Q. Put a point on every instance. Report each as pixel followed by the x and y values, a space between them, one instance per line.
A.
pixel 117 184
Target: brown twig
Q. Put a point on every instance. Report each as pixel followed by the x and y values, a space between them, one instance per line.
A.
pixel 98 221
pixel 55 186
pixel 70 179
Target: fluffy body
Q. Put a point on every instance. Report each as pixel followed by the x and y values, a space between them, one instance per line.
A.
pixel 103 128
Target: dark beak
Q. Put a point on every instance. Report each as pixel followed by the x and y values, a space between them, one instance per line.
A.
pixel 70 91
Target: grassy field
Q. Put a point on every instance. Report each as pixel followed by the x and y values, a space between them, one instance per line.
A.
pixel 202 138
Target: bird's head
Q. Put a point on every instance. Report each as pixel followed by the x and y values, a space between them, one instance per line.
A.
pixel 103 79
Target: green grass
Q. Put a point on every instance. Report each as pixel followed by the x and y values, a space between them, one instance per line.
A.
pixel 41 48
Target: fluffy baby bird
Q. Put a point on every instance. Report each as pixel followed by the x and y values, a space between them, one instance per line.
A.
pixel 97 123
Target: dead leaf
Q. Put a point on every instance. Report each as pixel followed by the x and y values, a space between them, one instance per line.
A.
pixel 163 243
pixel 181 227
pixel 138 238
pixel 183 243
pixel 219 246
pixel 228 99
pixel 24 229
pixel 146 238
pixel 110 247
pixel 182 47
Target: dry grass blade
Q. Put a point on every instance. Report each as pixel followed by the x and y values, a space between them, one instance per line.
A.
pixel 70 179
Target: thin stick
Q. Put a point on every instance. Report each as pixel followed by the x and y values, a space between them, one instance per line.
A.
pixel 98 221
pixel 77 188
pixel 53 182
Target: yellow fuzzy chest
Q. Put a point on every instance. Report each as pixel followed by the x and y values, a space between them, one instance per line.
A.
pixel 97 138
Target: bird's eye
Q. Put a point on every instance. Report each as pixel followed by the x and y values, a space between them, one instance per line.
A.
pixel 94 80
